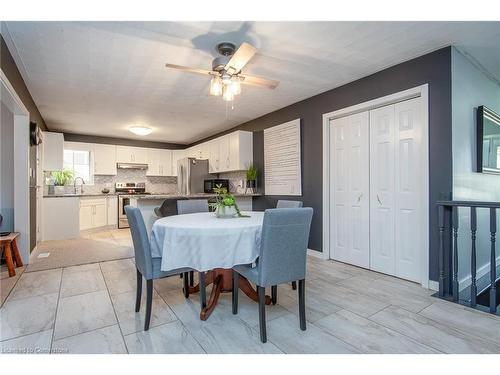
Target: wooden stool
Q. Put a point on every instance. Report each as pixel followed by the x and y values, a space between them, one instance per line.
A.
pixel 8 243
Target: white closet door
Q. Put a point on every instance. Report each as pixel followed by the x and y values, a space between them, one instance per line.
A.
pixel 382 196
pixel 409 208
pixel 349 189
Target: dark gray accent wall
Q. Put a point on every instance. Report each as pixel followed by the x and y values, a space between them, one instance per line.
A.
pixel 433 68
pixel 71 137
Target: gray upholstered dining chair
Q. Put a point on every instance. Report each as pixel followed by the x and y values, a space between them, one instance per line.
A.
pixel 288 204
pixel 146 266
pixel 167 208
pixel 283 252
pixel 191 206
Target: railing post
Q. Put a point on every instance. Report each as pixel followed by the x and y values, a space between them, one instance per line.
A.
pixel 441 250
pixel 473 229
pixel 455 252
pixel 493 261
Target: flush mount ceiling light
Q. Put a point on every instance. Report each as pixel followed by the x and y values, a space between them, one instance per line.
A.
pixel 226 71
pixel 140 130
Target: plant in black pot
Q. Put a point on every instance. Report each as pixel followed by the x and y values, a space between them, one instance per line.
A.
pixel 251 178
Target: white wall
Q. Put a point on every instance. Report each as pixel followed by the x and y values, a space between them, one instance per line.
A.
pixel 6 168
pixel 470 89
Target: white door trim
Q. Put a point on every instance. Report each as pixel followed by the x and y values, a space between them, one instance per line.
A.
pixel 419 91
pixel 21 164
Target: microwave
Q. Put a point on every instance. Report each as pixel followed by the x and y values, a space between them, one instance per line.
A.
pixel 209 185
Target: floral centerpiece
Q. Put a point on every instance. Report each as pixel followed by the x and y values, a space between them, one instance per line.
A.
pixel 225 204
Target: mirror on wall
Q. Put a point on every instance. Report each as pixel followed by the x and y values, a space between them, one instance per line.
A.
pixel 488 141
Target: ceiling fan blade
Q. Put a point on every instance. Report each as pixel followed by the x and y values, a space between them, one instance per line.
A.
pixel 257 81
pixel 191 70
pixel 240 58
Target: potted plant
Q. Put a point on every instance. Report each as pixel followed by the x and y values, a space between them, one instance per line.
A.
pixel 225 204
pixel 60 179
pixel 251 178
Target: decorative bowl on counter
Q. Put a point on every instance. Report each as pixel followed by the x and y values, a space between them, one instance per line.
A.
pixel 105 191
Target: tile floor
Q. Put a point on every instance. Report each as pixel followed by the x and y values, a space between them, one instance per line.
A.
pixel 90 309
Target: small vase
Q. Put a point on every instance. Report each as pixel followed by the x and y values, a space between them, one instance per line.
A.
pixel 251 186
pixel 59 190
pixel 225 212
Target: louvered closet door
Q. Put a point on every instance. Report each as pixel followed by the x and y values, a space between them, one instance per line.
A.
pixel 349 189
pixel 382 205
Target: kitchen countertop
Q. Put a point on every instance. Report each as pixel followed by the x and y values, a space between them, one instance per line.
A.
pixel 83 195
pixel 148 196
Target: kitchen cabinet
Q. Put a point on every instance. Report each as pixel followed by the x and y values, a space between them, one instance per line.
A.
pixel 231 152
pixel 112 208
pixel 59 220
pixel 213 161
pixel 159 162
pixel 93 213
pixel 176 155
pixel 224 161
pixel 104 159
pixel 52 151
pixel 126 154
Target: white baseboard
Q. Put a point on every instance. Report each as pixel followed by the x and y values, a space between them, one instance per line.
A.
pixel 316 254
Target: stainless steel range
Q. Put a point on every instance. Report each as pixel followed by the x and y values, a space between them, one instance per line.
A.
pixel 125 190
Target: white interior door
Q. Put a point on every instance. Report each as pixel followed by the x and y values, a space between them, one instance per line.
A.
pixel 409 189
pixel 349 189
pixel 382 249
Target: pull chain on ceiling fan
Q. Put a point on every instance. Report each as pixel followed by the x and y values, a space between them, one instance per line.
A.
pixel 226 71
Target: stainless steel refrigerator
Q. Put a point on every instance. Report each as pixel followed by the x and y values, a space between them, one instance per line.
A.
pixel 191 175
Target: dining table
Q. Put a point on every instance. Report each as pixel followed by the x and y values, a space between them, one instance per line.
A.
pixel 206 243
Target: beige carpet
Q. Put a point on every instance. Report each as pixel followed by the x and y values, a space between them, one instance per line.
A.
pixel 77 251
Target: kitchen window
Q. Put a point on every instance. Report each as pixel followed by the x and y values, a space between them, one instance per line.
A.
pixel 78 162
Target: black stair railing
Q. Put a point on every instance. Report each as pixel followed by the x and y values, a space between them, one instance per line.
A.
pixel 449 253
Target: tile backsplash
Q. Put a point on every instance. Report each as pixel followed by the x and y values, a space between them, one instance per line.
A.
pixel 155 185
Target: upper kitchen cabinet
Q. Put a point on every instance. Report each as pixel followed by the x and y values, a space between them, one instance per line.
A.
pixel 159 162
pixel 104 159
pixel 53 151
pixel 231 152
pixel 176 155
pixel 240 150
pixel 126 154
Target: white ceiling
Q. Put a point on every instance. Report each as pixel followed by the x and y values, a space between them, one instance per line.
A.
pixel 100 78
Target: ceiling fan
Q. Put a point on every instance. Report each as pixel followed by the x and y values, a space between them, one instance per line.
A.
pixel 226 71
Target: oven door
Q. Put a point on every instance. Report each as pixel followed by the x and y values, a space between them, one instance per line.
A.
pixel 123 201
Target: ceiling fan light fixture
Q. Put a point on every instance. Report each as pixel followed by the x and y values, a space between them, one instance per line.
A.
pixel 228 94
pixel 140 130
pixel 236 86
pixel 216 86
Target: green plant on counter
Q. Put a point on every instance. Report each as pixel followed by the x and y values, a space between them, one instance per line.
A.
pixel 225 199
pixel 251 173
pixel 62 178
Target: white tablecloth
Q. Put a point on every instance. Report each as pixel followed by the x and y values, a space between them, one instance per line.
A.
pixel 203 242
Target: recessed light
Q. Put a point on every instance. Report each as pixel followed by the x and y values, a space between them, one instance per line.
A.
pixel 140 130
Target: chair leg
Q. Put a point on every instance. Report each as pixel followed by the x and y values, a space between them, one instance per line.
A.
pixel 149 303
pixel 203 292
pixel 274 294
pixel 191 278
pixel 138 293
pixel 294 285
pixel 235 291
pixel 185 280
pixel 262 313
pixel 302 304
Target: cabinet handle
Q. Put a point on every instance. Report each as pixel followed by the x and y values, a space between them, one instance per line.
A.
pixel 379 202
pixel 360 196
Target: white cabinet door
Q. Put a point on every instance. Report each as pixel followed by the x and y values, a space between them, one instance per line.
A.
pixel 349 142
pixel 140 155
pixel 409 191
pixel 214 161
pixel 124 154
pixel 382 202
pixel 53 151
pixel 204 150
pixel 165 162
pixel 176 155
pixel 153 156
pixel 104 159
pixel 240 150
pixel 224 153
pixel 112 207
pixel 100 214
pixel 86 216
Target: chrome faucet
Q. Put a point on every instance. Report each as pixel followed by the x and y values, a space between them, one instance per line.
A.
pixel 81 186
